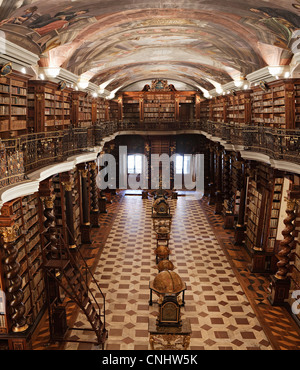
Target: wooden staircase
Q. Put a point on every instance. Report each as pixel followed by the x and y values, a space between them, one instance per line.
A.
pixel 67 272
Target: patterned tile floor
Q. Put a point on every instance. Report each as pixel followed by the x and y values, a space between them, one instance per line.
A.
pixel 280 327
pixel 220 312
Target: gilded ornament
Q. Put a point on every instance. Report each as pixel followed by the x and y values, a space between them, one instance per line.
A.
pixel 93 166
pixel 68 185
pixel 9 233
pixel 48 201
pixel 84 173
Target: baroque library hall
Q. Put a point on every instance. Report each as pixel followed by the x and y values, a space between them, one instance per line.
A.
pixel 150 176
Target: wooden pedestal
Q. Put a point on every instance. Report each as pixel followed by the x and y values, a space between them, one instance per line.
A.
pixel 239 235
pixel 102 205
pixel 86 234
pixel 60 327
pixel 279 291
pixel 229 220
pixel 95 219
pixel 218 203
pixel 258 262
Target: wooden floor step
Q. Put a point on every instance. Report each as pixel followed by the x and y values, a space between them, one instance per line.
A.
pixel 69 272
pixel 74 278
pixel 89 309
pixel 56 264
pixel 103 336
pixel 79 287
pixel 85 301
pixel 93 316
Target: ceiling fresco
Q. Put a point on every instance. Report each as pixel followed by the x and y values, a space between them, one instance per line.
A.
pixel 199 42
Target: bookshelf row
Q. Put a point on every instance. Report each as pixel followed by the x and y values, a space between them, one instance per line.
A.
pixel 25 210
pixel 276 106
pixel 156 107
pixel 27 216
pixel 256 215
pixel 13 104
pixel 35 106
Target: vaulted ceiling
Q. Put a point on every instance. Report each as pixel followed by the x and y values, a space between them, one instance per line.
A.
pixel 202 43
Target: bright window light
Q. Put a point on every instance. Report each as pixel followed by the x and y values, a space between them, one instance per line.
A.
pixel 179 164
pixel 183 164
pixel 135 164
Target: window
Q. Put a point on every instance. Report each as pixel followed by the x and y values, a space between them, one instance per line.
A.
pixel 183 164
pixel 135 164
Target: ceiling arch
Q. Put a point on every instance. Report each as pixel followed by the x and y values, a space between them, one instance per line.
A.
pixel 200 42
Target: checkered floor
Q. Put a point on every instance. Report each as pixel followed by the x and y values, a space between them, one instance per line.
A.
pixel 220 314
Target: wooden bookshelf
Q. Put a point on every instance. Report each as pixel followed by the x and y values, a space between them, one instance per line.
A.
pixel 274 215
pixel 254 204
pixel 218 109
pixel 49 108
pixel 204 110
pixel 151 109
pixel 239 108
pixel 101 110
pixel 275 107
pixel 297 104
pixel 25 213
pixel 131 109
pixel 166 107
pixel 113 110
pixel 82 108
pixel 60 207
pixel 159 107
pixel 13 105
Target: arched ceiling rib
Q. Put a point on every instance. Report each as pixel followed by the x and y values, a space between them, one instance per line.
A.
pixel 199 42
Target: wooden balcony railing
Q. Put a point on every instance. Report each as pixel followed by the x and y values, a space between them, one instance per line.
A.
pixel 22 155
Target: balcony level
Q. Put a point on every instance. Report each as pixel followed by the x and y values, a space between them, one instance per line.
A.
pixel 28 159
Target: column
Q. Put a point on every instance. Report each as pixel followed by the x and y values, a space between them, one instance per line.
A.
pixel 141 108
pixel 68 190
pixel 280 282
pixel 85 208
pixel 228 204
pixel 211 185
pixel 239 234
pixel 219 194
pixel 94 213
pixel 49 240
pixel 11 271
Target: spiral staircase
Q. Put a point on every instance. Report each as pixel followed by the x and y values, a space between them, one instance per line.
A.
pixel 68 280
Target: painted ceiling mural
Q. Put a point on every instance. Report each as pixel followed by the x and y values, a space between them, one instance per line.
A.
pixel 199 42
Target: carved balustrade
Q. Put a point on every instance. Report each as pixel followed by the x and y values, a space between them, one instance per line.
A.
pixel 25 154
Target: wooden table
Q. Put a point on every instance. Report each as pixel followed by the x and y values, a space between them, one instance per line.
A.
pixel 169 337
